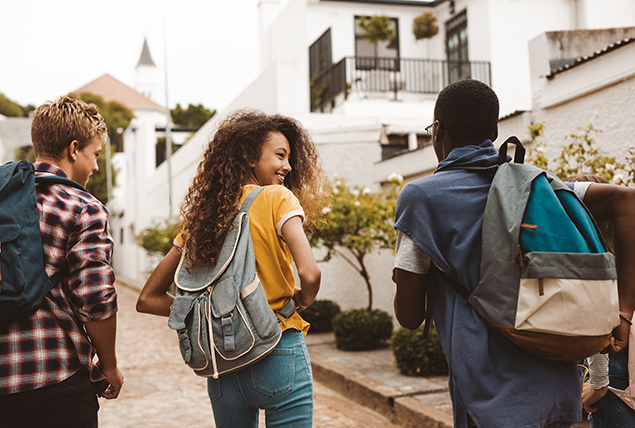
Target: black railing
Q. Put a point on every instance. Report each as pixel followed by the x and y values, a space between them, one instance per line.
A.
pixel 371 74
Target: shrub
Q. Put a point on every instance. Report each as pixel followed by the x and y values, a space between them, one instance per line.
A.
pixel 416 356
pixel 157 240
pixel 320 315
pixel 361 329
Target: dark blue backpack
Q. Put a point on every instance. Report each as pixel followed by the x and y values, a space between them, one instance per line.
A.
pixel 23 280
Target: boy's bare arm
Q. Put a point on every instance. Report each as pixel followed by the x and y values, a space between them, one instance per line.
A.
pixel 616 204
pixel 410 297
pixel 102 335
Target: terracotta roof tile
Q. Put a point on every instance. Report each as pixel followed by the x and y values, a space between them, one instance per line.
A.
pixel 111 89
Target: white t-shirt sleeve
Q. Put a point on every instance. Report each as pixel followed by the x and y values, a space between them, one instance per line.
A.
pixel 580 188
pixel 409 257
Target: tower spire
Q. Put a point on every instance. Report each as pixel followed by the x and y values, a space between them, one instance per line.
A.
pixel 145 58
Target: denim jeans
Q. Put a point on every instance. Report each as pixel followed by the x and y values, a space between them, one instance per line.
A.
pixel 611 411
pixel 281 384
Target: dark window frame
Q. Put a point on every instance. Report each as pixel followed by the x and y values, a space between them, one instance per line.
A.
pixel 320 54
pixel 456 45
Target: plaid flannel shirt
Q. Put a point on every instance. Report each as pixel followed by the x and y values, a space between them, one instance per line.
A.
pixel 52 344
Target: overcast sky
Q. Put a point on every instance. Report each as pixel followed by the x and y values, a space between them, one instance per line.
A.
pixel 49 48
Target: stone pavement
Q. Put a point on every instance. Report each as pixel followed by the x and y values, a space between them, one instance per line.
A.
pixel 160 391
pixel 352 389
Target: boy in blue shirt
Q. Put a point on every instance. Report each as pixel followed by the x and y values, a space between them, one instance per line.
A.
pixel 492 382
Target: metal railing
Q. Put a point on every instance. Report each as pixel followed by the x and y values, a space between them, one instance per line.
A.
pixel 377 74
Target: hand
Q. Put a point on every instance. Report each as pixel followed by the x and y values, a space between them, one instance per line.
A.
pixel 619 337
pixel 590 396
pixel 299 299
pixel 115 379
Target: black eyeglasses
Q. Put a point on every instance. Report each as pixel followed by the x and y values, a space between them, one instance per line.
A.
pixel 429 127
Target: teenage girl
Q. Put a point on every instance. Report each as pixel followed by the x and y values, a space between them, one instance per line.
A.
pixel 252 149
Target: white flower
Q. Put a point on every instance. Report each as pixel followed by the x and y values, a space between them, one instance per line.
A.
pixel 336 191
pixel 540 150
pixel 338 183
pixel 326 210
pixel 356 203
pixel 355 192
pixel 365 190
pixel 395 178
pixel 610 167
pixel 618 178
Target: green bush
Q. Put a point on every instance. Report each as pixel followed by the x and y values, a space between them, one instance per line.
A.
pixel 157 240
pixel 320 315
pixel 416 356
pixel 361 329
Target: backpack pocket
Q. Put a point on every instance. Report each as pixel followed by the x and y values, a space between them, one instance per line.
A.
pixel 232 335
pixel 568 294
pixel 193 341
pixel 264 320
pixel 11 274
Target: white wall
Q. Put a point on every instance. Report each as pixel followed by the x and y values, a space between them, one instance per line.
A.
pixel 599 92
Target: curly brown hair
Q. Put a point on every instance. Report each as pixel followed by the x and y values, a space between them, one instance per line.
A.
pixel 212 201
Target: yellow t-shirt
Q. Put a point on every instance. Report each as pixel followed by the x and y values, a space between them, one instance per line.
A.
pixel 274 264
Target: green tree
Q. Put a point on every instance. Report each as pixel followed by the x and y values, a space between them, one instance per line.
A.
pixel 11 108
pixel 377 28
pixel 194 116
pixel 357 223
pixel 425 26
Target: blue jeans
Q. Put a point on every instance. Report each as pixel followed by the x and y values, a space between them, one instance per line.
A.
pixel 281 384
pixel 611 411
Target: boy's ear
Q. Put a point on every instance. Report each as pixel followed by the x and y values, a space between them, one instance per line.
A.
pixel 73 149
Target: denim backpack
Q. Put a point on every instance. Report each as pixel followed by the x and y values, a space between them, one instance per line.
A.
pixel 220 311
pixel 546 282
pixel 23 280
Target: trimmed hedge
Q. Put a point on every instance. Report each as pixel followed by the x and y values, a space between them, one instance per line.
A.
pixel 361 329
pixel 320 315
pixel 416 356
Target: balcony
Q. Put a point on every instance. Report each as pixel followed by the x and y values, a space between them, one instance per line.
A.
pixel 375 74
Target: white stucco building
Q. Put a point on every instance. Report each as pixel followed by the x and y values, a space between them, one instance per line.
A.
pixel 593 85
pixel 366 108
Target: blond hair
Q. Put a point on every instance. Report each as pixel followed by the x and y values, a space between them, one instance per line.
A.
pixel 56 124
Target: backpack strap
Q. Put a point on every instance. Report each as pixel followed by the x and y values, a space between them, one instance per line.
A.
pixel 250 199
pixel 56 179
pixel 456 285
pixel 288 309
pixel 519 154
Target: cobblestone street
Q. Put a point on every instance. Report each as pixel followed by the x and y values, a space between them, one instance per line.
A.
pixel 162 392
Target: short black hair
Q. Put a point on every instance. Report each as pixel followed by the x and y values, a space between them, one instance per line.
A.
pixel 469 110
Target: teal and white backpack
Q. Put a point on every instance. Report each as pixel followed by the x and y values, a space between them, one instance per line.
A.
pixel 546 281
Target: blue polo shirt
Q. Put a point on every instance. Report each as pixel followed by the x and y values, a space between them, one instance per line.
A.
pixel 495 382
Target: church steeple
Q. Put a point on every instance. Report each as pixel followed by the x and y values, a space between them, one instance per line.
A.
pixel 146 58
pixel 146 74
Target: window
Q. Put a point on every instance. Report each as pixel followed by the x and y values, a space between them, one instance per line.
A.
pixel 384 56
pixel 456 47
pixel 320 54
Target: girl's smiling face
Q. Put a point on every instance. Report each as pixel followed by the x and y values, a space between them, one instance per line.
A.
pixel 273 165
